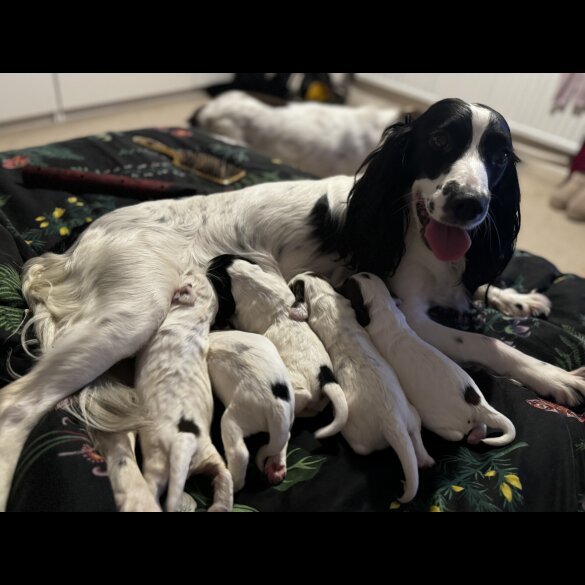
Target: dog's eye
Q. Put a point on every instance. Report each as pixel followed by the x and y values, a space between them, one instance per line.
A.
pixel 500 157
pixel 439 141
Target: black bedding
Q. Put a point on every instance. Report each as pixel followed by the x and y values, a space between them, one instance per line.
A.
pixel 543 469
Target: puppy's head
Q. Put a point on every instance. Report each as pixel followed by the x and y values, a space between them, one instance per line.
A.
pixel 306 287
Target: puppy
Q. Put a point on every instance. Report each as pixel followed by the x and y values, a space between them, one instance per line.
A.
pixel 249 377
pixel 252 299
pixel 174 389
pixel 447 399
pixel 379 413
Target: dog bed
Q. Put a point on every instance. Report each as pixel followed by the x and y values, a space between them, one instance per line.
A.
pixel 60 470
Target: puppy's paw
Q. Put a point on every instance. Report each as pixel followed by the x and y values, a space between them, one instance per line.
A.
pixel 514 304
pixel 275 470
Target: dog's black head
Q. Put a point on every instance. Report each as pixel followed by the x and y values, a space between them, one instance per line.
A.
pixel 452 171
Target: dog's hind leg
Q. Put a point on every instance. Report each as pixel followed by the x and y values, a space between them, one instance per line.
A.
pixel 86 350
pixel 131 492
pixel 223 486
pixel 236 452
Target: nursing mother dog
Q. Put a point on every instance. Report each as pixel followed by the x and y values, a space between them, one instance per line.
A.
pixel 412 218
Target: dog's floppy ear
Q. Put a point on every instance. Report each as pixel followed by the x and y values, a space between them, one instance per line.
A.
pixel 492 245
pixel 299 311
pixel 377 212
pixel 351 290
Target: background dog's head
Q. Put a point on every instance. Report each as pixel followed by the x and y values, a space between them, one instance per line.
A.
pixel 452 171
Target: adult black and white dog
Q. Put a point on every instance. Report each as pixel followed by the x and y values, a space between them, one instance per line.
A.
pixel 436 212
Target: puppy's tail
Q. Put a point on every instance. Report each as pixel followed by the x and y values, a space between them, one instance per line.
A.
pixel 182 452
pixel 334 392
pixel 497 420
pixel 279 429
pixel 399 439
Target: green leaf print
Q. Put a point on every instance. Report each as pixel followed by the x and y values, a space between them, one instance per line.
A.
pixel 301 466
pixel 571 354
pixel 11 318
pixel 10 286
pixel 4 200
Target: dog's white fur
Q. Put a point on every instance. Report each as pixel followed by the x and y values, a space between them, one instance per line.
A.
pixel 323 139
pixel 174 390
pixel 512 303
pixel 244 368
pixel 446 397
pixel 379 413
pixel 263 301
pixel 104 298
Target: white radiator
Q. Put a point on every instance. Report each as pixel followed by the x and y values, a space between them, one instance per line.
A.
pixel 525 100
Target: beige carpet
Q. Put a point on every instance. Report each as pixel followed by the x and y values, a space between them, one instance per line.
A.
pixel 545 231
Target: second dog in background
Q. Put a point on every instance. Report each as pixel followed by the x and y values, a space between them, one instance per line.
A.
pixel 323 139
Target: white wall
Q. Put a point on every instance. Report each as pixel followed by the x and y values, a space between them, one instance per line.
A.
pixel 30 95
pixel 525 100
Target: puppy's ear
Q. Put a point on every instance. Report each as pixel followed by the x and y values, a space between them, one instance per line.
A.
pixel 299 310
pixel 351 291
pixel 377 212
pixel 492 246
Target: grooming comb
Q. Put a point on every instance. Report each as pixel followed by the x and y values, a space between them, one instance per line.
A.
pixel 202 164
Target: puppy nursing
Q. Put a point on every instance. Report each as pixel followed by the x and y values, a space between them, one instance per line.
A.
pixel 446 397
pixel 174 389
pixel 379 413
pixel 249 377
pixel 257 301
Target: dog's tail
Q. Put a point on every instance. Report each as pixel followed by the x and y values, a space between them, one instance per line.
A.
pixel 279 430
pixel 51 296
pixel 399 439
pixel 334 392
pixel 497 420
pixel 182 452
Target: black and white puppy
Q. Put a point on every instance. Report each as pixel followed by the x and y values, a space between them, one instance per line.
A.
pixel 446 397
pixel 251 380
pixel 379 412
pixel 258 301
pixel 174 391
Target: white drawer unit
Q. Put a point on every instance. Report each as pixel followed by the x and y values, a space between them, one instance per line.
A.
pixel 26 95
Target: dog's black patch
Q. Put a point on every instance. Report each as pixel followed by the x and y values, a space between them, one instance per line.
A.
pixel 458 340
pixel 280 390
pixel 162 220
pixel 188 426
pixel 326 376
pixel 350 289
pixel 518 306
pixel 123 462
pixel 432 206
pixel 217 273
pixel 326 228
pixel 298 288
pixel 241 347
pixel 471 396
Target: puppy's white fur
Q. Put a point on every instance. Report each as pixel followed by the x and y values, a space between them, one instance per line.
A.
pixel 173 386
pixel 379 413
pixel 263 301
pixel 250 379
pixel 446 397
pixel 323 139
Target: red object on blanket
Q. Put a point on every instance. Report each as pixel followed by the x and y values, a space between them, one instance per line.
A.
pixel 578 163
pixel 80 182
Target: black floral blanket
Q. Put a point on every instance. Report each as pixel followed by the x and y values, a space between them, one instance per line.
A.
pixel 60 470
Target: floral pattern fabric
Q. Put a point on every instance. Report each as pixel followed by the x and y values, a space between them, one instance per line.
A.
pixel 60 470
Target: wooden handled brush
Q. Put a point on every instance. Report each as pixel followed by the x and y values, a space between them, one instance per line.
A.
pixel 202 164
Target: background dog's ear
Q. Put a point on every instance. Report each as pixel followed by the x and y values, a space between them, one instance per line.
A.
pixel 493 243
pixel 377 212
pixel 351 290
pixel 299 310
pixel 217 273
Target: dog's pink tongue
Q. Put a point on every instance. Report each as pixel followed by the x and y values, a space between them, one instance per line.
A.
pixel 447 243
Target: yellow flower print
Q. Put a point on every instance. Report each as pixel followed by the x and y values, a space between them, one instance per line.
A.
pixel 88 220
pixel 40 218
pixel 71 199
pixel 395 505
pixel 44 224
pixel 513 480
pixel 506 491
pixel 435 509
pixel 490 473
pixel 58 212
pixel 64 231
pixel 457 488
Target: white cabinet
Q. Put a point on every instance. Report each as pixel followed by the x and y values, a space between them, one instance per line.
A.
pixel 82 90
pixel 26 95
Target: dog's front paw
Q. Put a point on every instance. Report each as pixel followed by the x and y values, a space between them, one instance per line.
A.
pixel 137 500
pixel 567 388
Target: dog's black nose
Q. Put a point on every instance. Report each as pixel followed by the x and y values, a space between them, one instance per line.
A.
pixel 463 204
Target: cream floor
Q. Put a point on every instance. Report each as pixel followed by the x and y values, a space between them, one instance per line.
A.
pixel 545 231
